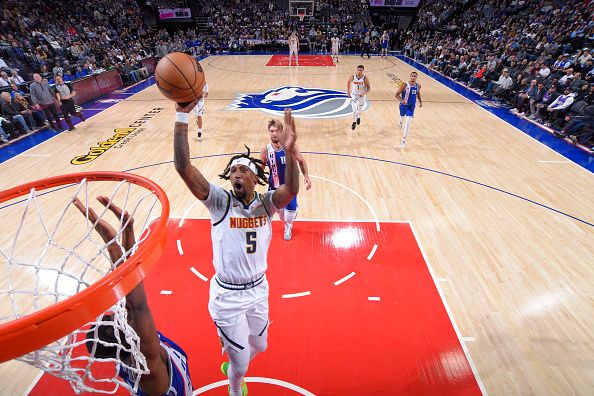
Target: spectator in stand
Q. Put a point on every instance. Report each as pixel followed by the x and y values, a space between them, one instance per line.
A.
pixel 496 87
pixel 79 73
pixel 4 81
pixel 549 97
pixel 24 107
pixel 535 98
pixel 43 99
pixel 522 101
pixel 58 69
pixel 574 128
pixel 12 114
pixel 65 95
pixel 544 71
pixel 15 78
pixel 567 78
pixel 14 89
pixel 3 135
pixel 559 107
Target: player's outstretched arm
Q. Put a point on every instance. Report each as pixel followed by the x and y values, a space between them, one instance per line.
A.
pixel 263 157
pixel 285 193
pixel 303 166
pixel 349 83
pixel 197 184
pixel 399 93
pixel 140 316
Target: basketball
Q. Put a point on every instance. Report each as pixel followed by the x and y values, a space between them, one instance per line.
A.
pixel 179 77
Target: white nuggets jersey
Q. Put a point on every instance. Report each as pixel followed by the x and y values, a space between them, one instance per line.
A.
pixel 359 86
pixel 241 234
pixel 335 43
pixel 293 41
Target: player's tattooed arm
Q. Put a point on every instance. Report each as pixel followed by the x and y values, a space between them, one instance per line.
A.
pixel 349 85
pixel 197 184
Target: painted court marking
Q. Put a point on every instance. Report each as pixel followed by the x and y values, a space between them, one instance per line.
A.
pixel 346 278
pixel 373 298
pixel 294 295
pixel 179 248
pixel 479 381
pixel 166 292
pixel 372 252
pixel 377 224
pixel 198 274
pixel 261 380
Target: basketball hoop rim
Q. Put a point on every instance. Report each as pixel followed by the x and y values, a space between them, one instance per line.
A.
pixel 40 328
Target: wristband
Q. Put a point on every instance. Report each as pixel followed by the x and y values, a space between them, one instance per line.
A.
pixel 182 117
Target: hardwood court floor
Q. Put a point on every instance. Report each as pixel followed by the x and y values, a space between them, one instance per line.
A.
pixel 517 275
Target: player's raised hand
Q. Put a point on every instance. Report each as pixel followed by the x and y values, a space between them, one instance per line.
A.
pixel 289 136
pixel 127 222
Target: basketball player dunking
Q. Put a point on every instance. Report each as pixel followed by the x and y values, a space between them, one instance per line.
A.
pixel 358 87
pixel 407 95
pixel 385 40
pixel 273 155
pixel 335 47
pixel 241 232
pixel 199 110
pixel 293 48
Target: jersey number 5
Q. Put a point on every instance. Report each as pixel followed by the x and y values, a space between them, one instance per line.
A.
pixel 250 241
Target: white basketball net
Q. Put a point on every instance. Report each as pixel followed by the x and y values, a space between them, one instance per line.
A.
pixel 59 254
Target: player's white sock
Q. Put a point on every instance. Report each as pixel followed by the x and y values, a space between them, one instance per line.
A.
pixel 290 217
pixel 406 126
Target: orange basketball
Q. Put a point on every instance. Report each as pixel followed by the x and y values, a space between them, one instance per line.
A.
pixel 179 77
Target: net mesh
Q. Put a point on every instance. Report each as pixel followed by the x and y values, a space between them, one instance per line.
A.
pixel 54 254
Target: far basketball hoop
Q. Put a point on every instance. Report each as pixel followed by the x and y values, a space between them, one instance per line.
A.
pixel 301 16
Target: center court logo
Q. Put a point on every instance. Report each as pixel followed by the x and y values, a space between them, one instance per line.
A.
pixel 305 102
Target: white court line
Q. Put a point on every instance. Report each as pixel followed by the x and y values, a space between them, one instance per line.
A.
pixel 179 248
pixel 262 380
pixel 346 278
pixel 449 312
pixel 468 339
pixel 373 298
pixel 198 274
pixel 372 252
pixel 307 293
pixel 377 225
pixel 35 381
pixel 166 292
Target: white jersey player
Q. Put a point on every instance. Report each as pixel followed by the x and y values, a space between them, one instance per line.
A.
pixel 335 47
pixel 241 233
pixel 199 110
pixel 293 48
pixel 358 87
